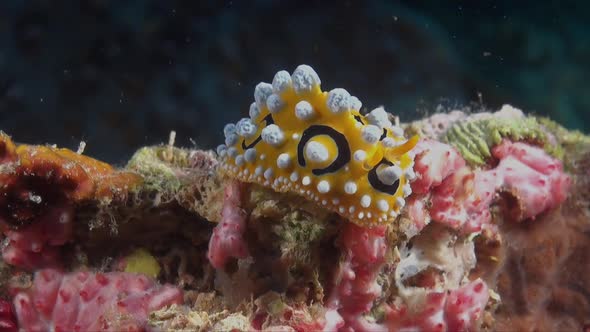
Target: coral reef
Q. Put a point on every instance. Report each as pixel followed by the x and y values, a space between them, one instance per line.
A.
pixel 486 228
pixel 526 261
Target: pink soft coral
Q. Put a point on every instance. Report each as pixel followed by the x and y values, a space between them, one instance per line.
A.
pixel 417 207
pixel 461 197
pixel 533 177
pixel 227 239
pixel 462 201
pixel 434 161
pixel 465 305
pixel 356 289
pixel 37 245
pixel 85 301
pixel 356 284
pixel 459 310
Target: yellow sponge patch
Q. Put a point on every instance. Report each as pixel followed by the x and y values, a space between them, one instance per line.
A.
pixel 141 261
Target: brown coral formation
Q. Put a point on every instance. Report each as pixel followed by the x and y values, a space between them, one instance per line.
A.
pixel 41 187
pixel 37 177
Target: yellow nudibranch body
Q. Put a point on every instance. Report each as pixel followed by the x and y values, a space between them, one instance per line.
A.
pixel 301 139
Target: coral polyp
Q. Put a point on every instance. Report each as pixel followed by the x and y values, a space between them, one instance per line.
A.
pixel 301 139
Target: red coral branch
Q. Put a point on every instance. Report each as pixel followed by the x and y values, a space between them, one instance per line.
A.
pixel 227 239
pixel 7 319
pixel 356 284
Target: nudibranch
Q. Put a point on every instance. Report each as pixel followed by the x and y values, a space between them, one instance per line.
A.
pixel 301 139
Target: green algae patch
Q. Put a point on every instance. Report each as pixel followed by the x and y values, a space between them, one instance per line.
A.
pixel 187 177
pixel 475 138
pixel 297 231
pixel 158 165
pixel 570 144
pixel 298 226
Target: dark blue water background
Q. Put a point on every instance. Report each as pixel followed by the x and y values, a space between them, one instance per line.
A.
pixel 122 74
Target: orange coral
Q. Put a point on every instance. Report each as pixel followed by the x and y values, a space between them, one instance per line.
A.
pixel 7 149
pixel 33 178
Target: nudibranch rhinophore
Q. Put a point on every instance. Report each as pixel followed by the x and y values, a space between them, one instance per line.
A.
pixel 301 139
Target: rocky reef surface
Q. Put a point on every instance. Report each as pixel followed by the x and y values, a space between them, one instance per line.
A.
pixel 494 236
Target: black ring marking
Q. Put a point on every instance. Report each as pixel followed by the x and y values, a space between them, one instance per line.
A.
pixel 268 120
pixel 343 156
pixel 390 189
pixel 384 134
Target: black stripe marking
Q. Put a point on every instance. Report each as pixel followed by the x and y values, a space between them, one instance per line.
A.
pixel 377 184
pixel 359 119
pixel 268 121
pixel 384 134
